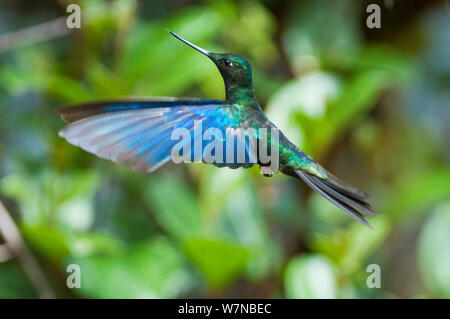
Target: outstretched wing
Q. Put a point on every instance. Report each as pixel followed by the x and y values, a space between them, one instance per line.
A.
pixel 139 133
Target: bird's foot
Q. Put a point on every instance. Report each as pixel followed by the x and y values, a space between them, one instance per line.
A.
pixel 266 171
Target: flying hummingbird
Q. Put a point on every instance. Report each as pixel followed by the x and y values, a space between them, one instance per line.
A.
pixel 137 133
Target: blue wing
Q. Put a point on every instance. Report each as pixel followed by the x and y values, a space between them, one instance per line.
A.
pixel 139 134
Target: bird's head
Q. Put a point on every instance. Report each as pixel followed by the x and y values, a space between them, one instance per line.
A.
pixel 235 69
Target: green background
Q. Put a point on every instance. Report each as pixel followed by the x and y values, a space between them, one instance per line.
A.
pixel 371 105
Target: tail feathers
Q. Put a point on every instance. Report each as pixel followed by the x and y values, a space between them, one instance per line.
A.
pixel 350 200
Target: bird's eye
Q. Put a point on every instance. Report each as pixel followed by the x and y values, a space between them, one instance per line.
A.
pixel 227 62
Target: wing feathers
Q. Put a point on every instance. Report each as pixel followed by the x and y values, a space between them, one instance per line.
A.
pixel 138 134
pixel 77 112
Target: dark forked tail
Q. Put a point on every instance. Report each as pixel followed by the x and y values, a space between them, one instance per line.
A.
pixel 352 201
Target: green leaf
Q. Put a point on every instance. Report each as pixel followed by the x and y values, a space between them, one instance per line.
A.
pixel 152 269
pixel 174 206
pixel 219 261
pixel 434 253
pixel 41 196
pixel 310 276
pixel 160 74
pixel 105 83
pixel 315 109
pixel 385 58
pixel 49 242
pixel 95 243
pixel 418 192
pixel 14 282
pixel 304 97
pixel 349 247
pixel 362 242
pixel 231 209
pixel 356 99
pixel 309 42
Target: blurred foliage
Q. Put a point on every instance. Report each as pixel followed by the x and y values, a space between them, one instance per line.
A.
pixel 310 277
pixel 371 105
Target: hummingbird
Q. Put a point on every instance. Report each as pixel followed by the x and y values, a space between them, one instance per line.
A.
pixel 137 132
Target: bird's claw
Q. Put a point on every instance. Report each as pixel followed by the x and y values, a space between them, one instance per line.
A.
pixel 266 171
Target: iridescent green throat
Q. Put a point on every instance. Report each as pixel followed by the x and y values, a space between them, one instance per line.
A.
pixel 236 94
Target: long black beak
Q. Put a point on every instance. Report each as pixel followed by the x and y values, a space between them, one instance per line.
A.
pixel 205 52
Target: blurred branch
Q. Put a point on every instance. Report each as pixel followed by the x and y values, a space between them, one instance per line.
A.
pixel 5 253
pixel 34 34
pixel 16 246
